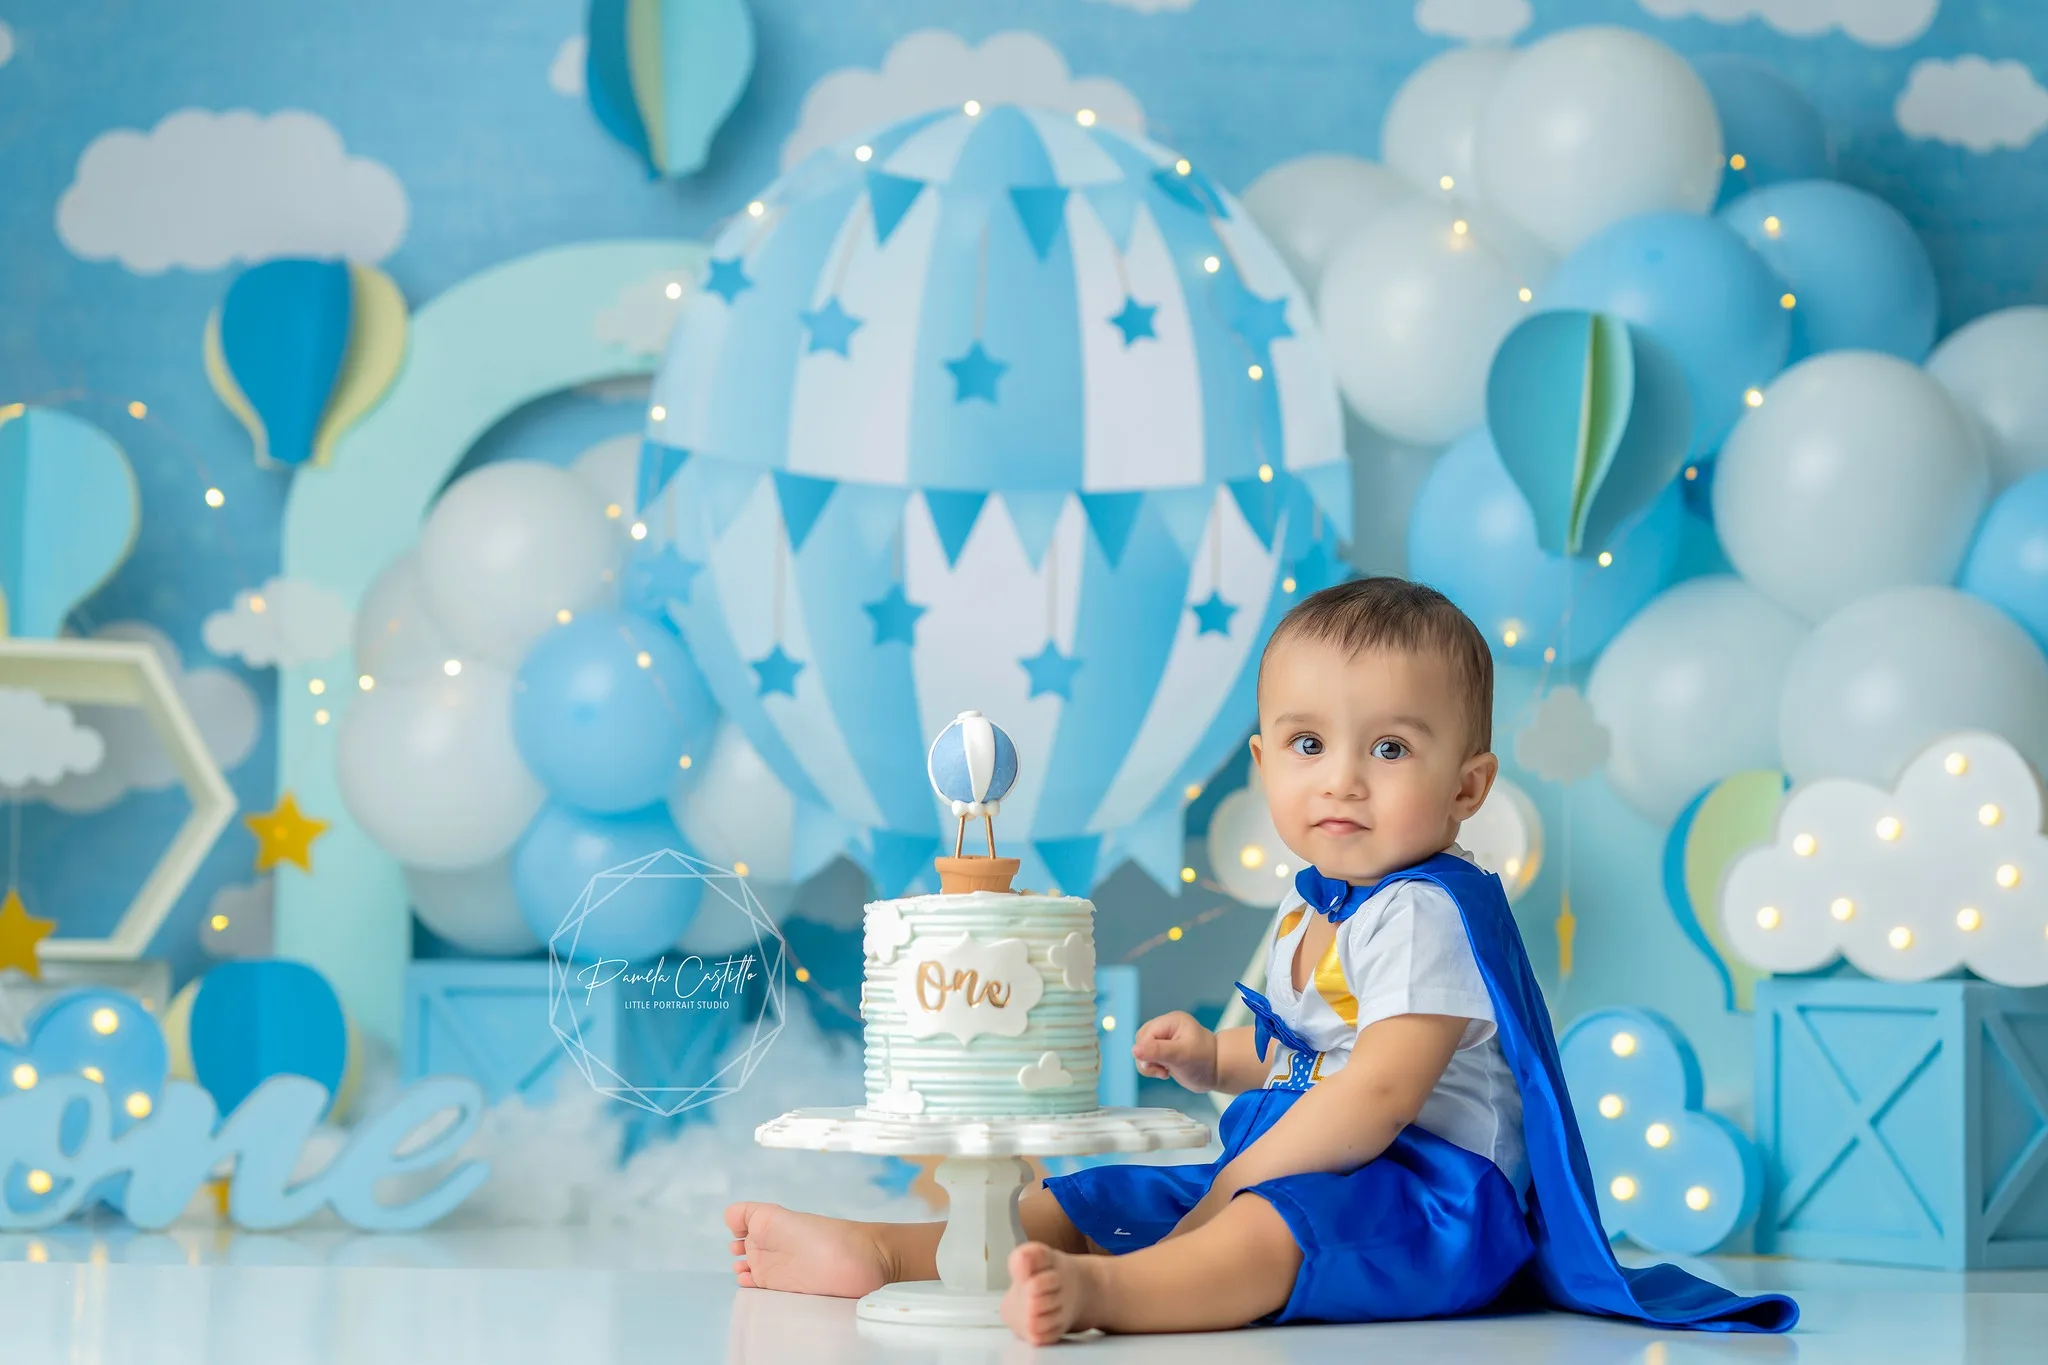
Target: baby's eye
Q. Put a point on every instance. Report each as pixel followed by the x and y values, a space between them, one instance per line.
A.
pixel 1390 750
pixel 1308 746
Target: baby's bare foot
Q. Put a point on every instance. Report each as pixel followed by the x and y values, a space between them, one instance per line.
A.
pixel 1051 1293
pixel 778 1248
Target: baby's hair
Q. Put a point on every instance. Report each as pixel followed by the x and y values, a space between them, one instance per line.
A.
pixel 1381 613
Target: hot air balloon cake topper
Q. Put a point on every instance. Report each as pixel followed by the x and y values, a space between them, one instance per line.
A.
pixel 973 765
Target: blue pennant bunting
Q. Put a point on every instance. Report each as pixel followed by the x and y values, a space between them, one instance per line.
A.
pixel 953 515
pixel 1260 504
pixel 1071 861
pixel 876 511
pixel 1330 485
pixel 1111 516
pixel 889 198
pixel 803 498
pixel 1116 208
pixel 1042 209
pixel 658 464
pixel 1036 515
pixel 726 486
pixel 899 859
pixel 1186 514
pixel 1157 841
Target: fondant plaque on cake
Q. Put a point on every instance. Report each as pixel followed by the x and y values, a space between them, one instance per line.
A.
pixel 965 987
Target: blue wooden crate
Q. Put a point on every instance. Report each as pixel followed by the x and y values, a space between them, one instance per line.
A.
pixel 1903 1124
pixel 489 1021
pixel 1116 1012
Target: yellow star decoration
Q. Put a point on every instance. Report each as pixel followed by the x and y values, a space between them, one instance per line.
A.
pixel 1567 929
pixel 284 835
pixel 20 932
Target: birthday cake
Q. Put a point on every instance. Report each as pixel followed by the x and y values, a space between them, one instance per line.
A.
pixel 979 1001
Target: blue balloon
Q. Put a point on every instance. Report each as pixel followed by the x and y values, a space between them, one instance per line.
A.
pixel 258 1019
pixel 2008 562
pixel 1694 286
pixel 1859 275
pixel 639 916
pixel 1472 537
pixel 599 728
pixel 1771 131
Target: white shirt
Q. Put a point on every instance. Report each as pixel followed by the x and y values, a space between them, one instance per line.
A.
pixel 1404 951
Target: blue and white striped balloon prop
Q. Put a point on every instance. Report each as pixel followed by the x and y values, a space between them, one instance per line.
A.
pixel 1006 410
pixel 972 765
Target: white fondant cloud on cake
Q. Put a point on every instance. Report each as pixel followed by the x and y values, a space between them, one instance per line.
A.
pixel 886 930
pixel 900 1098
pixel 1045 1074
pixel 1074 955
pixel 965 987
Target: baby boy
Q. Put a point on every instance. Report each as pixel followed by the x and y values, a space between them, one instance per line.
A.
pixel 1400 1132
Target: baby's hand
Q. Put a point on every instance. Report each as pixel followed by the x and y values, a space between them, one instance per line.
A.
pixel 1175 1045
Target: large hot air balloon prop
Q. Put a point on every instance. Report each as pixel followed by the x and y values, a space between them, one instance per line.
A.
pixel 663 75
pixel 301 350
pixel 67 516
pixel 997 409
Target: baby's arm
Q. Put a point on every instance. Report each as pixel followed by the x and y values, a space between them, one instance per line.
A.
pixel 1345 1120
pixel 1176 1045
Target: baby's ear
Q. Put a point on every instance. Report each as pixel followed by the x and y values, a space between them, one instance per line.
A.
pixel 1474 782
pixel 1258 752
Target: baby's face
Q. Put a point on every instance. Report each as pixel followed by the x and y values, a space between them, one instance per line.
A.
pixel 1364 758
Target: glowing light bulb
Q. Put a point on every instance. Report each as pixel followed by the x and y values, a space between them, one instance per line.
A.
pixel 1211 264
pixel 39 1182
pixel 1624 1044
pixel 1956 764
pixel 684 761
pixel 1525 293
pixel 972 108
pixel 1192 790
pixel 2007 876
pixel 863 152
pixel 1265 473
pixel 1900 938
pixel 803 973
pixel 1842 908
pixel 1788 301
pixel 257 604
pixel 219 922
pixel 1108 1023
pixel 321 717
pixel 1804 845
pixel 756 209
pixel 639 530
pixel 138 1105
pixel 1187 874
pixel 138 409
pixel 316 686
pixel 1287 584
pixel 452 668
pixel 1461 227
pixel 1767 917
pixel 1174 933
pixel 1510 636
pixel 1280 869
pixel 674 290
pixel 1697 1198
pixel 1988 814
pixel 93 1074
pixel 1753 397
pixel 1772 227
pixel 1513 867
pixel 1445 182
pixel 1549 655
pixel 1692 471
pixel 366 682
pixel 24 1077
pixel 740 869
pixel 1085 117
pixel 564 616
pixel 105 1020
pixel 644 659
pixel 1606 558
pixel 1737 161
pixel 1611 1106
pixel 1256 371
pixel 1969 919
pixel 214 497
pixel 614 511
pixel 1251 855
pixel 1623 1188
pixel 1182 166
pixel 1889 828
pixel 1657 1135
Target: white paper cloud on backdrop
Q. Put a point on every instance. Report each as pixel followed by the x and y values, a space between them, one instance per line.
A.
pixel 1973 102
pixel 1877 23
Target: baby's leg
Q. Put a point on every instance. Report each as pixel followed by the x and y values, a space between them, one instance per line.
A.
pixel 778 1248
pixel 1234 1269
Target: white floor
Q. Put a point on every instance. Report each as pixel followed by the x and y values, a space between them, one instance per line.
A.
pixel 85 1297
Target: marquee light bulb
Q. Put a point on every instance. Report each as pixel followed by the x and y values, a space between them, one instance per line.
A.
pixel 1842 908
pixel 1623 1188
pixel 1889 828
pixel 1657 1135
pixel 1969 919
pixel 1697 1198
pixel 1956 764
pixel 1624 1044
pixel 1767 917
pixel 1900 938
pixel 1804 845
pixel 1610 1106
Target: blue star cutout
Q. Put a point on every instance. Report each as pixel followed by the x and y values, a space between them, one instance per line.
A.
pixel 895 616
pixel 1213 614
pixel 1052 671
pixel 654 579
pixel 1316 569
pixel 975 374
pixel 777 672
pixel 728 277
pixel 1259 321
pixel 1135 322
pixel 831 326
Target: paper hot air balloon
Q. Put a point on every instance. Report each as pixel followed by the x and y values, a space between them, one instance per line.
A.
pixel 663 75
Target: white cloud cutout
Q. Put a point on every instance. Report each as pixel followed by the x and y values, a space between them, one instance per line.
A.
pixel 900 1098
pixel 566 72
pixel 1877 23
pixel 1474 21
pixel 1074 956
pixel 1046 1073
pixel 222 707
pixel 1949 870
pixel 1972 102
pixel 1563 741
pixel 933 69
pixel 644 312
pixel 204 189
pixel 41 741
pixel 240 921
pixel 883 932
pixel 6 43
pixel 1151 6
pixel 287 621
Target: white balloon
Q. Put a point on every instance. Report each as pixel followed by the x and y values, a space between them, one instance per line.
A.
pixel 1505 836
pixel 1689 691
pixel 1412 309
pixel 1309 205
pixel 1594 125
pixel 1997 369
pixel 430 772
pixel 506 548
pixel 397 639
pixel 1245 850
pixel 734 810
pixel 1858 473
pixel 1432 126
pixel 473 908
pixel 1889 674
pixel 612 469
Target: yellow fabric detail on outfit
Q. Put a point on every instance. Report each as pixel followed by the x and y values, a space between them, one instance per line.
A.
pixel 1288 921
pixel 1336 992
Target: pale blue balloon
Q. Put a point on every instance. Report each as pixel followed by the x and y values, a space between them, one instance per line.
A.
pixel 1860 276
pixel 599 728
pixel 1472 537
pixel 641 914
pixel 2008 562
pixel 1696 288
pixel 1766 121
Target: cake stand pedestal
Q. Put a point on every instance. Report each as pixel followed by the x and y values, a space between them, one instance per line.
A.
pixel 983 1172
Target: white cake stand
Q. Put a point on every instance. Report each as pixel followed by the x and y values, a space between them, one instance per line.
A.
pixel 983 1173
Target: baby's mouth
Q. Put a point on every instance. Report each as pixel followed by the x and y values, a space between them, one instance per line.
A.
pixel 1340 828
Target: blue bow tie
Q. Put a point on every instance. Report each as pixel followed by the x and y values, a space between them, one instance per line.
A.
pixel 1268 1026
pixel 1330 897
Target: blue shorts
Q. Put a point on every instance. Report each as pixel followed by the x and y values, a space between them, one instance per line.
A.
pixel 1425 1230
